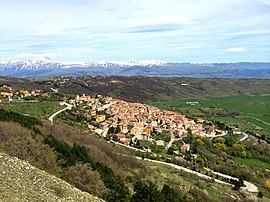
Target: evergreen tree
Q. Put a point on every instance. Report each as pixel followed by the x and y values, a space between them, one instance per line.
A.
pixel 144 192
pixel 170 195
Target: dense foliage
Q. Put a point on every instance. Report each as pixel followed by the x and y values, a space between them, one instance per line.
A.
pixel 79 154
pixel 25 121
pixel 147 192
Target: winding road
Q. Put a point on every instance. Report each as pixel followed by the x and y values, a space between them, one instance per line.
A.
pixel 248 186
pixel 127 146
pixel 184 169
pixel 214 136
pixel 243 138
pixel 69 106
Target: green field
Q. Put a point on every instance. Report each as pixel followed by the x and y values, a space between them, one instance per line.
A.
pixel 247 112
pixel 36 109
pixel 252 163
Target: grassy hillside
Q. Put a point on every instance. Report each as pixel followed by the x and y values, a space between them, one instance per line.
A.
pixel 20 181
pixel 252 163
pixel 92 165
pixel 36 109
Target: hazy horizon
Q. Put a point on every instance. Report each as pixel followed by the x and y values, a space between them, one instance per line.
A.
pixel 118 61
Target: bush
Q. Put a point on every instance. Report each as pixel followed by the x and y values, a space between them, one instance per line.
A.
pixel 84 178
pixel 260 194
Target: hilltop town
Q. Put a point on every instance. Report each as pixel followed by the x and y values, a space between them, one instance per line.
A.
pixel 128 122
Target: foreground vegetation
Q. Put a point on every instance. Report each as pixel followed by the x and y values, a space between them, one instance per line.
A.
pixel 102 169
pixel 20 181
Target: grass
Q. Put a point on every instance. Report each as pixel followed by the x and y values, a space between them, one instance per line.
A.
pixel 254 111
pixel 36 109
pixel 231 121
pixel 20 181
pixel 242 103
pixel 252 163
pixel 160 174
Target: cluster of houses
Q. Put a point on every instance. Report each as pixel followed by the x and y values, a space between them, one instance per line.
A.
pixel 125 121
pixel 9 93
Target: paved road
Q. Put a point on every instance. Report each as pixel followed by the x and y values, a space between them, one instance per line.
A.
pixel 186 170
pixel 69 106
pixel 214 136
pixel 248 186
pixel 127 146
pixel 243 138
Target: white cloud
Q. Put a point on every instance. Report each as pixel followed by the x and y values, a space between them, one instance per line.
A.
pixel 115 30
pixel 34 55
pixel 267 2
pixel 189 46
pixel 248 32
pixel 162 20
pixel 239 49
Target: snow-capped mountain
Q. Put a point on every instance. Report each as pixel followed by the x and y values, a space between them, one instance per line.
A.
pixel 44 67
pixel 132 63
pixel 47 63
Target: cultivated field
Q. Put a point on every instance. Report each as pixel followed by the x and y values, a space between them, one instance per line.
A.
pixel 247 112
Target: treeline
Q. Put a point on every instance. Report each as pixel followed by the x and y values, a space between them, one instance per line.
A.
pixel 70 155
pixel 117 158
pixel 25 121
pixel 147 191
pixel 143 191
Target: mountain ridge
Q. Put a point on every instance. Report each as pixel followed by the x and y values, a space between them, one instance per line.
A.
pixel 45 67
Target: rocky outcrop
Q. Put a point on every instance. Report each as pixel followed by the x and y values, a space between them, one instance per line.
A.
pixel 20 181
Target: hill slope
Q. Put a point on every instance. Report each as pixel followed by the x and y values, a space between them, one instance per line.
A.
pixel 141 89
pixel 20 181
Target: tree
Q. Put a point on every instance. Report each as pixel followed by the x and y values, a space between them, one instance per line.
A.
pixel 170 150
pixel 146 192
pixel 260 194
pixel 32 149
pixel 239 150
pixel 237 183
pixel 267 183
pixel 219 140
pixel 79 154
pixel 170 195
pixel 85 179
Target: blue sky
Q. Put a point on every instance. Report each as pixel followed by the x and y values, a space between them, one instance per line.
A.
pixel 170 30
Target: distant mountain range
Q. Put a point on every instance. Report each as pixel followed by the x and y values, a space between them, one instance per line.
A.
pixel 45 67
